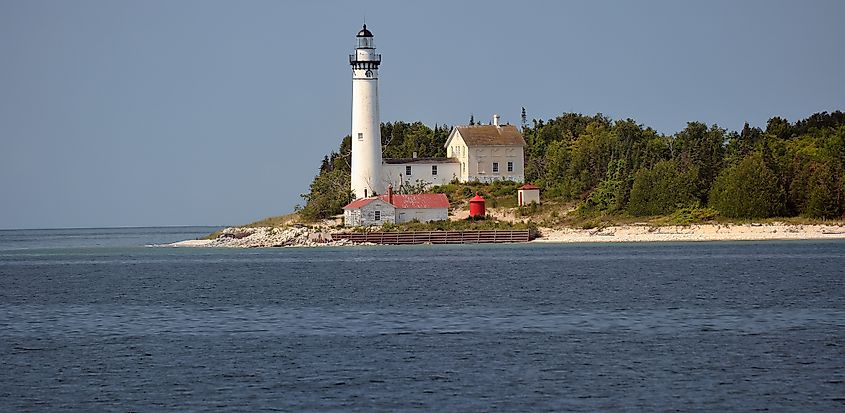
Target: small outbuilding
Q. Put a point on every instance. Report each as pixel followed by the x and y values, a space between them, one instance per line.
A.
pixel 476 207
pixel 391 208
pixel 367 212
pixel 527 194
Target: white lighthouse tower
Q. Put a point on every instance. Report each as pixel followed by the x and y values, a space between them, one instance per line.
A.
pixel 366 135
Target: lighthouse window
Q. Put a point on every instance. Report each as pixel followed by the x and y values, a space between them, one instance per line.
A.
pixel 434 169
pixel 495 167
pixel 360 136
pixel 408 170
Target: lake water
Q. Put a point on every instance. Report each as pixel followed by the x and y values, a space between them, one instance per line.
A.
pixel 93 320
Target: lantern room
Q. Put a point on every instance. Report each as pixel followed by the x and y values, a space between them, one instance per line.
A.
pixel 365 39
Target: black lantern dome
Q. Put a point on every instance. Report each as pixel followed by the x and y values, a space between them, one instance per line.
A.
pixel 364 32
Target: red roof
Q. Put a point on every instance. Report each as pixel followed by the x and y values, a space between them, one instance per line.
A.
pixel 418 201
pixel 415 201
pixel 358 203
pixel 529 186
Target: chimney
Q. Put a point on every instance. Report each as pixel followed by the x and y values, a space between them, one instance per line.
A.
pixel 415 154
pixel 390 194
pixel 495 120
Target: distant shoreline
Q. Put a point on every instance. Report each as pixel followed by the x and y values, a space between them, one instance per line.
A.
pixel 243 237
pixel 694 232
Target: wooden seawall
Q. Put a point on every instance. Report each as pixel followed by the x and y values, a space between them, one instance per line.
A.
pixel 438 237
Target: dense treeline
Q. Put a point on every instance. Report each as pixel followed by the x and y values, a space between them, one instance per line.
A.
pixel 622 167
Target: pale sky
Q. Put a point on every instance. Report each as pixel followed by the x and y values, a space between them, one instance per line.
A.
pixel 197 112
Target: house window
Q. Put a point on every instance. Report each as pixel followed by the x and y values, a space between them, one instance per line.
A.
pixel 434 169
pixel 510 166
pixel 408 170
pixel 377 215
pixel 495 167
pixel 360 136
pixel 480 168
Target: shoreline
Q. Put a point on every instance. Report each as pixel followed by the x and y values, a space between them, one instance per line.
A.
pixel 262 237
pixel 694 232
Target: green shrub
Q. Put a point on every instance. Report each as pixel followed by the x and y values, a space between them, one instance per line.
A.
pixel 662 189
pixel 748 190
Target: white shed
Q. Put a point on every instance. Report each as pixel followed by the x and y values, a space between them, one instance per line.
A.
pixel 396 208
pixel 527 194
pixel 422 207
pixel 368 211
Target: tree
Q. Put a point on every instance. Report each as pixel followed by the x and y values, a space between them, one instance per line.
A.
pixel 524 119
pixel 663 189
pixel 822 194
pixel 748 190
pixel 329 193
pixel 701 148
pixel 609 196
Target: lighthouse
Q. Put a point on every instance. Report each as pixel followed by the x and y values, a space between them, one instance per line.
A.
pixel 366 135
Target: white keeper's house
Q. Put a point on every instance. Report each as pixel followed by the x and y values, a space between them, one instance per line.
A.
pixel 487 153
pixel 483 153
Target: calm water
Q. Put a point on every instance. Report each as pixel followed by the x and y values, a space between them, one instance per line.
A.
pixel 91 320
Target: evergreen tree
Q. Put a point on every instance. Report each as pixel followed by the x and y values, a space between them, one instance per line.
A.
pixel 748 190
pixel 663 189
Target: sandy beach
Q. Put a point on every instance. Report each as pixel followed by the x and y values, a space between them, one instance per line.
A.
pixel 278 237
pixel 698 232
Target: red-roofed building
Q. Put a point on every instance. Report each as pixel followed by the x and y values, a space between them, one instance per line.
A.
pixel 396 208
pixel 527 194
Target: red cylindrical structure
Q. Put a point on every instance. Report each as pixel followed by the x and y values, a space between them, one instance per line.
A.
pixel 476 207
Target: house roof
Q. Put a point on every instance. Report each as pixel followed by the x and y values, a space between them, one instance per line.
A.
pixel 487 135
pixel 529 186
pixel 394 161
pixel 413 201
pixel 418 201
pixel 361 202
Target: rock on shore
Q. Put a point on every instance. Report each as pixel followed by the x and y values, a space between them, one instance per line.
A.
pixel 262 237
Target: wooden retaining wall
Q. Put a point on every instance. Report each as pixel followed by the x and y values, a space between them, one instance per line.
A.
pixel 438 237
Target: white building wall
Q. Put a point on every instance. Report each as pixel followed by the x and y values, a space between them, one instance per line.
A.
pixel 457 149
pixel 366 135
pixel 482 158
pixel 527 196
pixel 395 174
pixel 422 214
pixel 351 217
pixel 366 215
